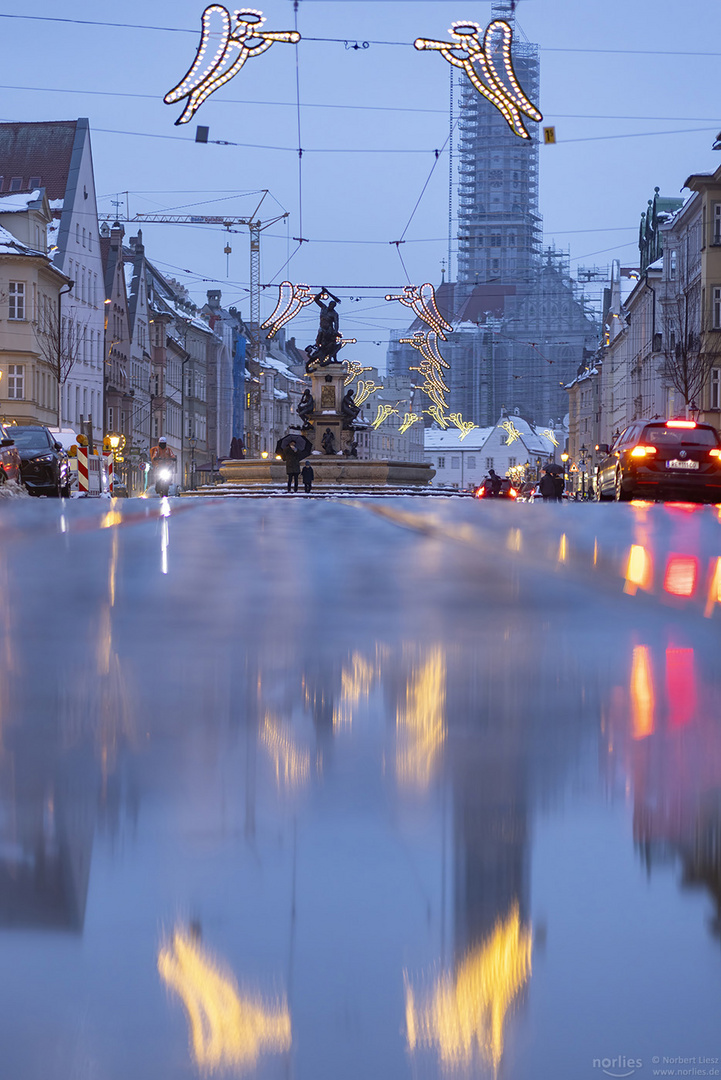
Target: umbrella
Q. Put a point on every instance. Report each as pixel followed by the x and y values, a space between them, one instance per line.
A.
pixel 303 446
pixel 554 468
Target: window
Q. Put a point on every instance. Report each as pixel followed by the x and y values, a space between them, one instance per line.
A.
pixel 672 265
pixel 716 388
pixel 717 308
pixel 16 183
pixel 472 462
pixel 16 382
pixel 77 232
pixel 511 462
pixel 455 463
pixel 16 300
pixel 717 223
pixel 489 462
pixel 441 463
pixel 34 182
pixel 83 237
pixel 495 239
pixel 90 240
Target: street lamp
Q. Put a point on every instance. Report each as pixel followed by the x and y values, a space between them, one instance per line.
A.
pixel 564 459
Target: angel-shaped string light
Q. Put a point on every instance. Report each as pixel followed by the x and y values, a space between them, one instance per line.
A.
pixel 408 421
pixel 384 411
pixel 364 390
pixel 512 431
pixel 549 434
pixel 465 427
pixel 291 300
pixel 355 368
pixel 240 37
pixel 423 302
pixel 478 58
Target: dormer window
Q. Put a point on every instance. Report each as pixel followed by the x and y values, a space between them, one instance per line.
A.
pixel 34 182
pixel 16 183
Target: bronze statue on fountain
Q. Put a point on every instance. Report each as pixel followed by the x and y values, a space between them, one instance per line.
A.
pixel 306 408
pixel 328 340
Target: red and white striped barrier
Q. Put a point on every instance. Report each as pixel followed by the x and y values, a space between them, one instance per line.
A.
pixel 109 457
pixel 83 480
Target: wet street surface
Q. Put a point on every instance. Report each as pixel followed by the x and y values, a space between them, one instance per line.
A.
pixel 359 789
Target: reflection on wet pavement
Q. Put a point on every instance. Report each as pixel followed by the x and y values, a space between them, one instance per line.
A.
pixel 359 789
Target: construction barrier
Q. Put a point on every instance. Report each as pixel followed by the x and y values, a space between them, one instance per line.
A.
pixel 108 457
pixel 83 477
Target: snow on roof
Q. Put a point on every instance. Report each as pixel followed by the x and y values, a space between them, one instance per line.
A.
pixel 280 395
pixel 657 265
pixel 434 439
pixel 273 362
pixel 184 315
pixel 129 271
pixel 10 245
pixel 18 203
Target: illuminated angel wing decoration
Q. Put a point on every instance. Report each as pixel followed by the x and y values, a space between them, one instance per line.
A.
pixel 437 414
pixel 364 390
pixel 239 37
pixel 510 428
pixel 423 301
pixel 465 427
pixel 426 341
pixel 384 411
pixel 355 368
pixel 291 298
pixel 549 434
pixel 408 421
pixel 495 82
pixel 350 341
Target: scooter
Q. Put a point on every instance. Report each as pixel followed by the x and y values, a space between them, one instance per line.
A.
pixel 163 479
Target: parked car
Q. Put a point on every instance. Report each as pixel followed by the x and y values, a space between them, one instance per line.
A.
pixel 664 459
pixel 9 456
pixel 43 461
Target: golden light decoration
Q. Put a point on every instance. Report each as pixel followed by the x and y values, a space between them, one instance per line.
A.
pixel 291 300
pixel 227 1029
pixel 500 88
pixel 512 431
pixel 423 301
pixel 384 411
pixel 355 368
pixel 421 721
pixel 549 434
pixel 291 763
pixel 235 35
pixel 464 1014
pixel 436 412
pixel 365 389
pixel 426 341
pixel 465 427
pixel 408 421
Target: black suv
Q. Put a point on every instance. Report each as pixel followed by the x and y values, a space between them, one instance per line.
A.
pixel 673 459
pixel 43 462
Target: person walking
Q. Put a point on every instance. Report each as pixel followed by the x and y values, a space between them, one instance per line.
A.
pixel 308 477
pixel 548 487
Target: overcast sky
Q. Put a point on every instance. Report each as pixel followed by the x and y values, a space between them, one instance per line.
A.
pixel 370 121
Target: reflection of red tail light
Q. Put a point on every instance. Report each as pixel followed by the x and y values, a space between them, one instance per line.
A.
pixel 681 575
pixel 680 686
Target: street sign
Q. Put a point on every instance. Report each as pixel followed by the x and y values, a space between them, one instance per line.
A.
pixel 549 136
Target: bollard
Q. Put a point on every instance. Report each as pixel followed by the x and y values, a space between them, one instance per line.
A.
pixel 83 480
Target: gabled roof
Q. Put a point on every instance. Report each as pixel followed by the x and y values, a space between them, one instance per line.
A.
pixel 10 245
pixel 38 151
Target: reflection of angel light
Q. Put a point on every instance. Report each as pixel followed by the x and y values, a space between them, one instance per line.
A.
pixel 227 1030
pixel 642 696
pixel 235 35
pixel 111 519
pixel 292 764
pixel 421 722
pixel 714 592
pixel 464 1014
pixel 508 97
pixel 639 571
pixel 356 684
pixel 563 548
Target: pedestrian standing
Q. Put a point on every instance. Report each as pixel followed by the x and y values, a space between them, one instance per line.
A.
pixel 308 477
pixel 548 487
pixel 560 485
pixel 292 465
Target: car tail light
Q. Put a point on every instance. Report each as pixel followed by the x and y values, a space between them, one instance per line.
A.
pixel 480 493
pixel 715 453
pixel 681 423
pixel 513 493
pixel 643 451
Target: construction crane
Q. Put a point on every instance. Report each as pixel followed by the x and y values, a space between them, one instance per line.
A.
pixel 230 222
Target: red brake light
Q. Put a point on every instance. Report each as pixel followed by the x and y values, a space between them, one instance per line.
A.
pixel 513 493
pixel 715 453
pixel 480 492
pixel 681 423
pixel 642 451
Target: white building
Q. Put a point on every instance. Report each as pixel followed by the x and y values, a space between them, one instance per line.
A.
pixel 57 156
pixel 462 463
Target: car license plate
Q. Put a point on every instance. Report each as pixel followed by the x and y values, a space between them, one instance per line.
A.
pixel 676 464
